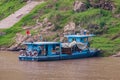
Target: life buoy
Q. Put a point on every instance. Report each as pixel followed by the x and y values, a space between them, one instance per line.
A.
pixel 30 53
pixel 35 53
pixel 22 53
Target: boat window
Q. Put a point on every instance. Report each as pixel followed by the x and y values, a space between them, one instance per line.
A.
pixel 73 39
pixel 29 47
pixel 56 50
pixel 43 50
pixel 81 39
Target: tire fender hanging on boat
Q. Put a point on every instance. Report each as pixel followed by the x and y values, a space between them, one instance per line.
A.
pixel 21 53
pixel 35 53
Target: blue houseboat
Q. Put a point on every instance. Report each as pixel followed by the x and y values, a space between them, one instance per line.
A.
pixel 76 47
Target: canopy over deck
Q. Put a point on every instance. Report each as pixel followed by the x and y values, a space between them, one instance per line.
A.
pixel 80 36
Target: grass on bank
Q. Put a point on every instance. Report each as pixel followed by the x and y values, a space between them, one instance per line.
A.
pixel 8 7
pixel 108 47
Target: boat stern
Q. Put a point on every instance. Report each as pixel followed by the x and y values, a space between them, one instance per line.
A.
pixel 95 52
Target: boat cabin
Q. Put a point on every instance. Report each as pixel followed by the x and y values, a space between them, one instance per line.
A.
pixel 42 48
pixel 78 38
pixel 76 43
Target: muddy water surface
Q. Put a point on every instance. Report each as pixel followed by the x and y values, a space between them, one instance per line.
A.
pixel 81 69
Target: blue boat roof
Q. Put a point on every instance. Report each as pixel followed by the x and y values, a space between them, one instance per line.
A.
pixel 41 43
pixel 81 36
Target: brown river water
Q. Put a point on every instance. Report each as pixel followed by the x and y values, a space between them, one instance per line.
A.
pixel 80 69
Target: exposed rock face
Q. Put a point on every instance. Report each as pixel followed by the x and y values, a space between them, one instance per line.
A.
pixel 19 39
pixel 79 6
pixel 94 28
pixel 69 27
pixel 47 23
pixel 117 16
pixel 44 27
pixel 104 4
pixel 116 55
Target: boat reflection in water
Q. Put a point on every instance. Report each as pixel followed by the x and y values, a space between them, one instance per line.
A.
pixel 76 47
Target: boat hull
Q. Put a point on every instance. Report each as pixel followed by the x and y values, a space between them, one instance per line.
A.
pixel 77 55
